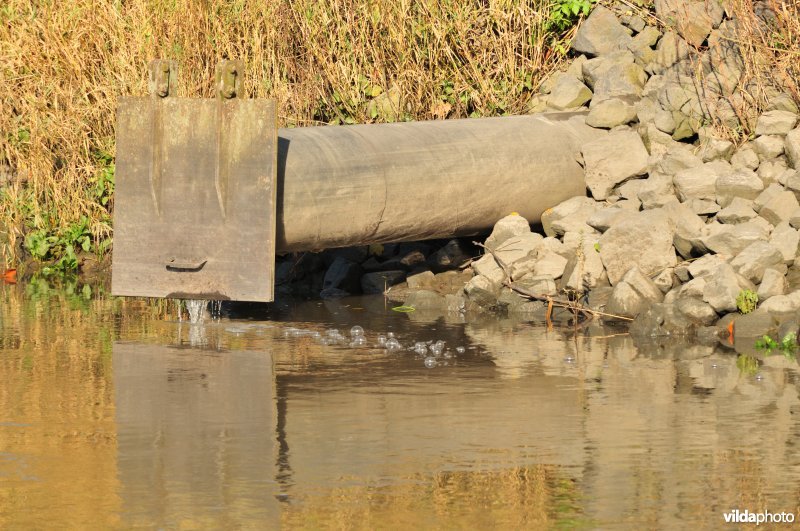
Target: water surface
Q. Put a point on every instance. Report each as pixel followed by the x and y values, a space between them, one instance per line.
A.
pixel 114 414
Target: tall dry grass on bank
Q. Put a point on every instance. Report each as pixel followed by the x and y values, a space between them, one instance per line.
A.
pixel 64 64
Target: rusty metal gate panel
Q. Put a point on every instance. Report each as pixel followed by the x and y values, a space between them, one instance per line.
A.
pixel 195 200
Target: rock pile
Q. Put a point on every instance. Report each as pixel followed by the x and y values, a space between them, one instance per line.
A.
pixel 678 223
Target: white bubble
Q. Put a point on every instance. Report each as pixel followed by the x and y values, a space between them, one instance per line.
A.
pixel 356 331
pixel 460 350
pixel 430 362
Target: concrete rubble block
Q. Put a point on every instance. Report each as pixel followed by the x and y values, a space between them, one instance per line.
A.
pixel 773 283
pixel 633 294
pixel 755 259
pixel 771 171
pixel 670 50
pixel 643 240
pixel 769 146
pixel 620 81
pixel 739 183
pixel 696 183
pixel 722 287
pixel 780 207
pixel 687 225
pixel 343 274
pixel 704 207
pixel 696 310
pixel 507 227
pixel 380 281
pixel 657 191
pixel 792 147
pixel 518 248
pixel 768 193
pixel 584 270
pixel 611 112
pixel 613 159
pixel 661 320
pixel 603 218
pixel 738 211
pixel 594 69
pixel 568 215
pixel 425 300
pixel 487 266
pixel 746 157
pixel 754 324
pixel 729 240
pixel 786 240
pixel 568 93
pixel 783 306
pixel 421 280
pixel 601 33
pixel 775 123
pixel 538 284
pixel 550 264
pixel 482 291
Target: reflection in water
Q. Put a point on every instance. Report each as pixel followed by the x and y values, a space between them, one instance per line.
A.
pixel 234 425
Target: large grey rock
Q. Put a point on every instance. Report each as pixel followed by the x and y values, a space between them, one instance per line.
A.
pixel 696 183
pixel 722 287
pixel 780 207
pixel 754 324
pixel 380 281
pixel 421 280
pixel 739 183
pixel 487 266
pixel 511 225
pixel 775 123
pixel 786 240
pixel 769 146
pixel 656 191
pixel 452 254
pixel 604 218
pixel 594 69
pixel 687 226
pixel 696 310
pixel 772 171
pixel 643 240
pixel 772 284
pixel 612 159
pixel 670 49
pixel 517 248
pixel 712 148
pixel 694 20
pixel 768 193
pixel 792 147
pixel 662 320
pixel 550 264
pixel 601 33
pixel 620 81
pixel 729 240
pixel 343 274
pixel 633 294
pixel 425 300
pixel 783 305
pixel 745 157
pixel 611 112
pixel 539 285
pixel 738 211
pixel 584 271
pixel 755 259
pixel 568 215
pixel 482 291
pixel 568 93
pixel 677 158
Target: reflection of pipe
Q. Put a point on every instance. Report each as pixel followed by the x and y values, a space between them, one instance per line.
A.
pixel 361 184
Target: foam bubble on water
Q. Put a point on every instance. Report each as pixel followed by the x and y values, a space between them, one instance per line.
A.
pixel 356 331
pixel 358 341
pixel 430 362
pixel 393 344
pixel 460 350
pixel 381 341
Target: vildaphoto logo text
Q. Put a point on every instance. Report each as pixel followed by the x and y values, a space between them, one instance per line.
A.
pixel 746 517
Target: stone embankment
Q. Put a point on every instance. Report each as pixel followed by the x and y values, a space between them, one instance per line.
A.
pixel 678 223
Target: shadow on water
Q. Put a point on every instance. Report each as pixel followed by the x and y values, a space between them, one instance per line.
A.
pixel 112 415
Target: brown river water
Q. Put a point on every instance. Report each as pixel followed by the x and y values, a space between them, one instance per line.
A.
pixel 115 415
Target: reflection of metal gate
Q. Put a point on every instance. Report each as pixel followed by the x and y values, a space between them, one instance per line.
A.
pixel 195 195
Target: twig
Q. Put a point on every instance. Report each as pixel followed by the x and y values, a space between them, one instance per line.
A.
pixel 508 281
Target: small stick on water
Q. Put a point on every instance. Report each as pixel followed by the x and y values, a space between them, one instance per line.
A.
pixel 508 281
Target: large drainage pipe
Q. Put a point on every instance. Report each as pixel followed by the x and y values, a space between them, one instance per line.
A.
pixel 363 184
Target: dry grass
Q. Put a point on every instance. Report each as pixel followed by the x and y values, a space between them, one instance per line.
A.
pixel 64 64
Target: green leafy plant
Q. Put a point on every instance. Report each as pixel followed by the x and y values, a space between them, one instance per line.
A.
pixel 746 301
pixel 787 346
pixel 565 13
